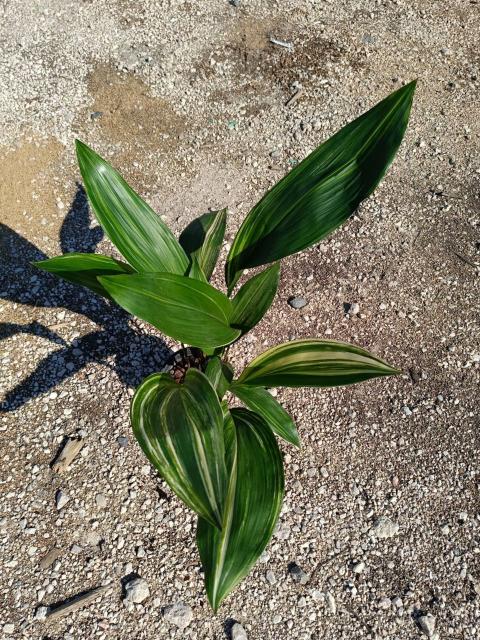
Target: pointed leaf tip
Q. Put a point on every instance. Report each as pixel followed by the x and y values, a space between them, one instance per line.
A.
pixel 322 192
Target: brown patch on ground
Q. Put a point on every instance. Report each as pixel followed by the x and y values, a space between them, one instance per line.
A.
pixel 130 115
pixel 26 194
pixel 262 66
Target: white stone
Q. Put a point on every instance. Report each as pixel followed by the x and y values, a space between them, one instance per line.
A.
pixel 384 528
pixel 331 604
pixel 136 590
pixel 179 614
pixel 238 632
pixel 41 613
pixel 8 628
pixel 358 567
pixel 101 501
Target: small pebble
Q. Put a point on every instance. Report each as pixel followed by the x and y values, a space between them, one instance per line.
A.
pixel 270 577
pixel 136 590
pixel 331 604
pixel 61 499
pixel 238 632
pixel 101 501
pixel 427 624
pixel 358 567
pixel 384 528
pixel 41 613
pixel 298 574
pixel 178 614
pixel 297 303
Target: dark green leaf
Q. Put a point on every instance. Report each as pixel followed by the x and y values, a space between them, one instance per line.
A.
pixel 203 239
pixel 83 268
pixel 185 309
pixel 253 502
pixel 254 298
pixel 314 363
pixel 180 429
pixel 220 375
pixel 323 190
pixel 133 227
pixel 262 402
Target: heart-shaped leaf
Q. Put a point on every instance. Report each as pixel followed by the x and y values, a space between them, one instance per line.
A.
pixel 262 402
pixel 133 227
pixel 180 429
pixel 252 505
pixel 313 363
pixel 83 268
pixel 188 310
pixel 254 298
pixel 203 239
pixel 323 190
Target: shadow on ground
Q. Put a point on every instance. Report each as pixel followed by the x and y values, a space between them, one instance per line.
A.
pixel 117 343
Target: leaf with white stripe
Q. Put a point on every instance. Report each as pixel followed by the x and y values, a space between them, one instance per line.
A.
pixel 252 505
pixel 130 223
pixel 202 239
pixel 220 375
pixel 180 429
pixel 262 402
pixel 314 363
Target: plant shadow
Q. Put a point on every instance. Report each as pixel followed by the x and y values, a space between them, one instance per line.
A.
pixel 117 342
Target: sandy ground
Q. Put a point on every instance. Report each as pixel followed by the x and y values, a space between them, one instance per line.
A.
pixel 188 100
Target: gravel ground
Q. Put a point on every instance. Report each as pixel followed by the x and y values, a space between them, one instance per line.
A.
pixel 379 537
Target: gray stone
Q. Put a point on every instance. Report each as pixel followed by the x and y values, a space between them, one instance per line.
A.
pixel 298 574
pixel 136 590
pixel 178 614
pixel 427 624
pixel 122 441
pixel 297 303
pixel 61 499
pixel 270 577
pixel 238 632
pixel 383 528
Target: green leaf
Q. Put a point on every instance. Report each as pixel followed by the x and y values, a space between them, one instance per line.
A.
pixel 324 190
pixel 195 271
pixel 254 298
pixel 262 402
pixel 252 505
pixel 180 429
pixel 133 227
pixel 314 363
pixel 83 268
pixel 203 239
pixel 220 375
pixel 185 309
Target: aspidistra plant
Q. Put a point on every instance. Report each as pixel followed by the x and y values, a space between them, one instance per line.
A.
pixel 224 462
